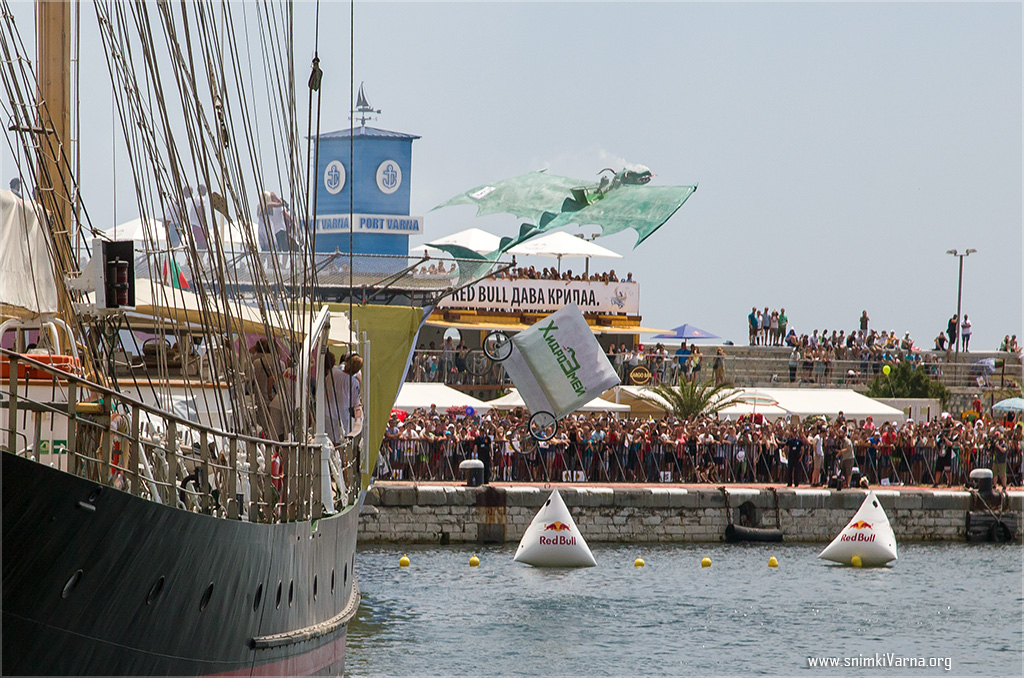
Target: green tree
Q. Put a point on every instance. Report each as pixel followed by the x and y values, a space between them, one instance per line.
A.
pixel 906 381
pixel 690 398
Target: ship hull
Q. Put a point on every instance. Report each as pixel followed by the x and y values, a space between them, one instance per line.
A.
pixel 98 582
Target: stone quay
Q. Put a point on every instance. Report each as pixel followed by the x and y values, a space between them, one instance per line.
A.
pixel 404 512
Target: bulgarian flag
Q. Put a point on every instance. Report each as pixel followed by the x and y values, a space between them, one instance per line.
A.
pixel 174 276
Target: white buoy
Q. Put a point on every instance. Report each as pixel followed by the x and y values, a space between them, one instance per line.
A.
pixel 868 536
pixel 553 540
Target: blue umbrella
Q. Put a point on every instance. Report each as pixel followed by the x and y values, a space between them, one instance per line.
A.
pixel 1009 405
pixel 687 332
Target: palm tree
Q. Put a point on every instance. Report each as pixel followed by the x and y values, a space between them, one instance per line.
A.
pixel 690 398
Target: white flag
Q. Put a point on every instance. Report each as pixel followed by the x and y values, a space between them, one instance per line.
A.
pixel 557 364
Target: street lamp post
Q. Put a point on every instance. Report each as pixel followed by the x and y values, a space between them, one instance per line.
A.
pixel 959 297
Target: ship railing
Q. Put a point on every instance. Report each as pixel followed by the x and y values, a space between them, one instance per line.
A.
pixel 115 440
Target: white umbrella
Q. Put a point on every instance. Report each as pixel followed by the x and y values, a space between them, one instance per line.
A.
pixel 561 244
pixel 474 239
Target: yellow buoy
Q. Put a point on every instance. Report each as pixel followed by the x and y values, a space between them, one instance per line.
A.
pixel 706 562
pixel 403 561
pixel 855 561
pixel 639 562
pixel 772 562
pixel 474 561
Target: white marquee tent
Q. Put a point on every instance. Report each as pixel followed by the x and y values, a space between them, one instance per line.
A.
pixel 414 395
pixel 803 402
pixel 513 400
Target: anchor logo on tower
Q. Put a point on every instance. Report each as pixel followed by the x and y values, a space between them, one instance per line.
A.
pixel 334 177
pixel 389 177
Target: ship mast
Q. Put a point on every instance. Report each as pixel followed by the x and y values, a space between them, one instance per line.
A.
pixel 54 120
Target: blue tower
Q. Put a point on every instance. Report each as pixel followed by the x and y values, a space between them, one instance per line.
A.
pixel 378 181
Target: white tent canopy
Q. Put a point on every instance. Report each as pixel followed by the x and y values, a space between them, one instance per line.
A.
pixel 513 400
pixel 152 231
pixel 413 396
pixel 139 229
pixel 803 402
pixel 561 244
pixel 806 402
pixel 26 272
pixel 474 239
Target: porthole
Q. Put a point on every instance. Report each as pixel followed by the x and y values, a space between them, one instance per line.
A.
pixel 155 590
pixel 291 592
pixel 72 583
pixel 258 597
pixel 314 587
pixel 332 582
pixel 205 600
pixel 278 594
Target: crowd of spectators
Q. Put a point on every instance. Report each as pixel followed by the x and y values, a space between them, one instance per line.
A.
pixel 436 269
pixel 531 273
pixel 686 363
pixel 429 445
pixel 767 328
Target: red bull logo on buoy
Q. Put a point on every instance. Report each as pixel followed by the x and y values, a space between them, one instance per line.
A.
pixel 860 525
pixel 557 540
pixel 859 536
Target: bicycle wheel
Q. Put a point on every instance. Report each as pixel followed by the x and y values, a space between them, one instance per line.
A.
pixel 497 346
pixel 543 425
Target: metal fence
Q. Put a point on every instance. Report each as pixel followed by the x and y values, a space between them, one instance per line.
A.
pixel 419 460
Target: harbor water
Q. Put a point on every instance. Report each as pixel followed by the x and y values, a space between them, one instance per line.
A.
pixel 941 605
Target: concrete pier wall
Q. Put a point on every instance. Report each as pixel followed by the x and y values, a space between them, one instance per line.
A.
pixel 408 513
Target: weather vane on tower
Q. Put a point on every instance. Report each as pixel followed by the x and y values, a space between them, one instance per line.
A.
pixel 364 108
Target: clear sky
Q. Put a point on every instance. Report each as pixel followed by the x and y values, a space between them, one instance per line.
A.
pixel 841 148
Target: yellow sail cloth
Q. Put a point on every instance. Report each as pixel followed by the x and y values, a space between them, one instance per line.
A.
pixel 392 332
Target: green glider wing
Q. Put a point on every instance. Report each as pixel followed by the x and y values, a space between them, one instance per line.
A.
pixel 642 208
pixel 529 196
pixel 550 201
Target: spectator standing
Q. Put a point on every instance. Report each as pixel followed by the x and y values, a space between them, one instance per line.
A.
pixel 482 445
pixel 846 456
pixel 752 325
pixel 965 333
pixel 783 323
pixel 719 366
pixel 951 330
pixel 864 320
pixel 817 441
pixel 795 441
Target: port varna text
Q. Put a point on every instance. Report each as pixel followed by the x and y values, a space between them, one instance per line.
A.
pixel 547 295
pixel 369 223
